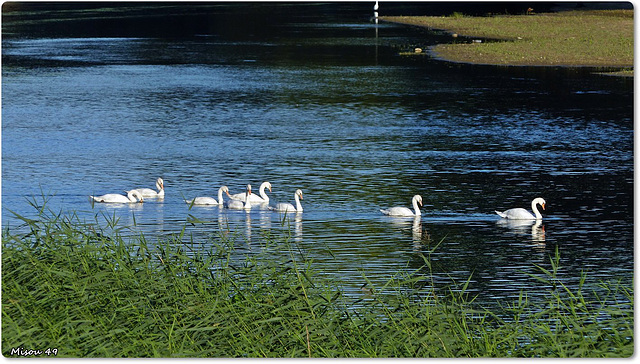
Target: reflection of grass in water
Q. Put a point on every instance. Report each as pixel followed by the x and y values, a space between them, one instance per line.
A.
pixel 592 38
pixel 68 285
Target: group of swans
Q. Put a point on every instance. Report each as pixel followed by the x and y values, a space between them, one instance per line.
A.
pixel 511 214
pixel 244 201
pixel 238 201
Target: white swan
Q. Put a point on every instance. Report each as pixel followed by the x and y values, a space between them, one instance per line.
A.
pixel 210 200
pixel 263 198
pixel 239 205
pixel 403 211
pixel 287 207
pixel 131 197
pixel 148 192
pixel 522 214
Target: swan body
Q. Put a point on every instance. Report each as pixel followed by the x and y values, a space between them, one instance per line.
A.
pixel 239 205
pixel 210 200
pixel 148 192
pixel 131 197
pixel 263 198
pixel 522 214
pixel 287 207
pixel 403 211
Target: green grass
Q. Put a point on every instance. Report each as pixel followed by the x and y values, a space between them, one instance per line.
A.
pixel 72 286
pixel 574 38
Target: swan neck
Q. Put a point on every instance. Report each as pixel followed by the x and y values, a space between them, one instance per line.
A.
pixel 262 193
pixel 247 203
pixel 416 208
pixel 534 207
pixel 298 204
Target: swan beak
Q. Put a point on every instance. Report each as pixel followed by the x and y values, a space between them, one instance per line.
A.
pixel 543 206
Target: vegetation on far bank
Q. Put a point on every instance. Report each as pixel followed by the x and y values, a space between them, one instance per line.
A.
pixel 599 38
pixel 73 287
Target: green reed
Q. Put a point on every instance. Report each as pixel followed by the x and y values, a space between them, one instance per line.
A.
pixel 70 286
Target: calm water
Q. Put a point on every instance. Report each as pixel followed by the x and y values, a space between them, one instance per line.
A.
pixel 320 102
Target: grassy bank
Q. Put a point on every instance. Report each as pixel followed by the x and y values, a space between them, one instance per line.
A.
pixel 69 286
pixel 576 38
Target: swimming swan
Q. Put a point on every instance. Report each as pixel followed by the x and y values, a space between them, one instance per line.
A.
pixel 210 200
pixel 287 207
pixel 131 197
pixel 403 211
pixel 522 214
pixel 147 192
pixel 263 198
pixel 240 205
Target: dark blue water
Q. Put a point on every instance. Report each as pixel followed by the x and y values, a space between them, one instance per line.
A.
pixel 205 96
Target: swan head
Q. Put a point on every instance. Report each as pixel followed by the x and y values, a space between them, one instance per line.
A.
pixel 160 184
pixel 299 194
pixel 248 189
pixel 266 185
pixel 137 196
pixel 418 198
pixel 225 189
pixel 540 201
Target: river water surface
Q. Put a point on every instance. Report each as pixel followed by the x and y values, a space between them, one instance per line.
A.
pixel 107 100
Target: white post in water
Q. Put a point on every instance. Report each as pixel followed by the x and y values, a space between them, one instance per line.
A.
pixel 375 16
pixel 375 11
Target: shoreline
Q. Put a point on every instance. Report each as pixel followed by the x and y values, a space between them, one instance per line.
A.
pixel 593 39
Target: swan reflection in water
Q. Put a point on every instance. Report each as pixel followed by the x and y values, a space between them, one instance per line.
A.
pixel 419 235
pixel 241 224
pixel 231 225
pixel 297 226
pixel 287 223
pixel 526 227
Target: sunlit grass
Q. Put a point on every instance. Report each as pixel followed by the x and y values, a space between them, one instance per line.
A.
pixel 575 38
pixel 72 286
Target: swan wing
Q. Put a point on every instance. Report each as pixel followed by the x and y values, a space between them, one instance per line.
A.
pixel 238 196
pixel 111 198
pixel 256 199
pixel 145 192
pixel 235 205
pixel 203 201
pixel 253 198
pixel 284 207
pixel 516 214
pixel 398 211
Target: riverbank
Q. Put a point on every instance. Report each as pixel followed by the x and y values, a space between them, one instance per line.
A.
pixel 73 289
pixel 594 38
